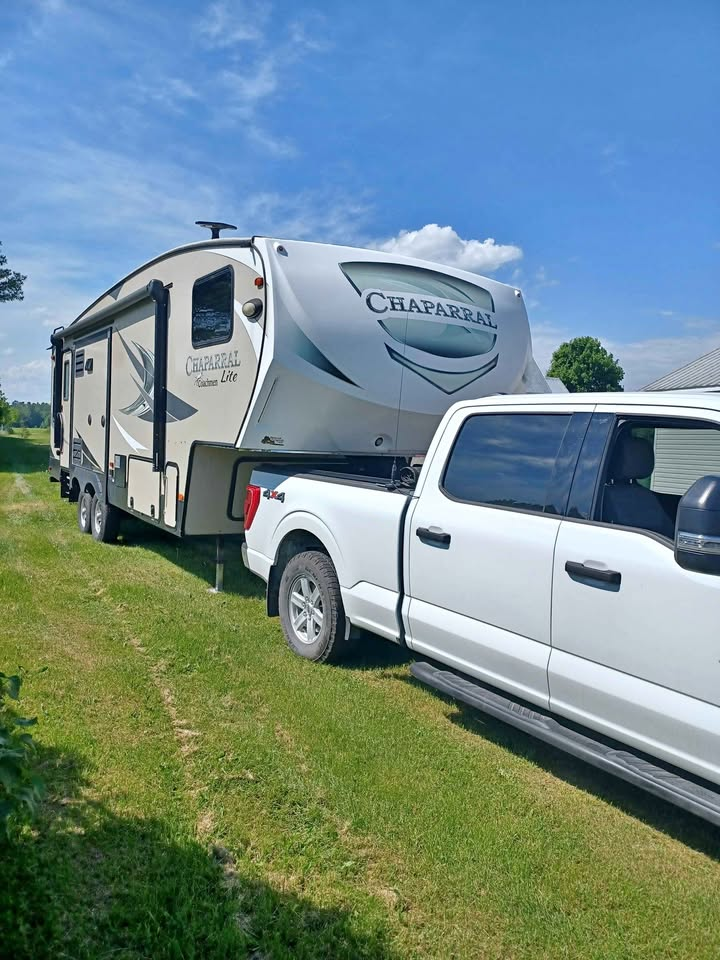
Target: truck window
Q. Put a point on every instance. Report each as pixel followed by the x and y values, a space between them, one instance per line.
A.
pixel 651 464
pixel 212 308
pixel 505 459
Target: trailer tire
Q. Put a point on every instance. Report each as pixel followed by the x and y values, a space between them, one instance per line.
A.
pixel 311 608
pixel 84 512
pixel 105 521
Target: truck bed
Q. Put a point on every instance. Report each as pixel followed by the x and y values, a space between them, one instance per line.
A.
pixel 358 520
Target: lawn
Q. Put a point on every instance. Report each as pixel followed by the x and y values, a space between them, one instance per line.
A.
pixel 210 795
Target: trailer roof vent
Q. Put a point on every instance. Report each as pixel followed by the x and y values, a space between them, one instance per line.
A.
pixel 215 226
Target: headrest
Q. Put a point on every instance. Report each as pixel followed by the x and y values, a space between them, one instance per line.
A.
pixel 632 459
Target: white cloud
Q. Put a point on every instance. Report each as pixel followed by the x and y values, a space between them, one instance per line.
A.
pixel 26 381
pixel 444 245
pixel 248 88
pixel 39 19
pixel 541 279
pixel 643 360
pixel 613 158
pixel 252 66
pixel 170 93
pixel 222 27
pixel 306 34
pixel 546 338
pixel 699 323
pixel 646 360
pixel 278 147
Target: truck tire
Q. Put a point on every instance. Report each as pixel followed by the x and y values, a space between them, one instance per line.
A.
pixel 104 521
pixel 311 609
pixel 84 512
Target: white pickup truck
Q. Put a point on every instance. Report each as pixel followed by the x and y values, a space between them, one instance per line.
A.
pixel 564 550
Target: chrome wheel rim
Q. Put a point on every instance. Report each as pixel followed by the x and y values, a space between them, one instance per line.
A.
pixel 305 607
pixel 84 512
pixel 98 515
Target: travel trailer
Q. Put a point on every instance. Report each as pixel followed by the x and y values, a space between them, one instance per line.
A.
pixel 226 352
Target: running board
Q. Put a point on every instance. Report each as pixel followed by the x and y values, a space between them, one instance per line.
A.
pixel 634 769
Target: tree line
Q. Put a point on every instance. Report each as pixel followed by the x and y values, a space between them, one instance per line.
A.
pixel 26 414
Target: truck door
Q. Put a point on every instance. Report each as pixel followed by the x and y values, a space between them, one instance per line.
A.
pixel 89 427
pixel 480 543
pixel 635 641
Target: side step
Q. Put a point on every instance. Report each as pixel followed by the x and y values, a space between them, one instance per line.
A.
pixel 641 773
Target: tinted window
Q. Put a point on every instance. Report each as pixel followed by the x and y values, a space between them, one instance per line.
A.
pixel 505 459
pixel 212 308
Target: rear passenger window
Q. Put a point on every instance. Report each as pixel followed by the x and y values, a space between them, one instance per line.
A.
pixel 505 459
pixel 212 308
pixel 651 464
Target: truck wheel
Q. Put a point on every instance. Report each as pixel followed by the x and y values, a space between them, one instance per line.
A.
pixel 84 512
pixel 311 610
pixel 105 521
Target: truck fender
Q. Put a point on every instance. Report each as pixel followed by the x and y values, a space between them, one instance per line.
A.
pixel 297 524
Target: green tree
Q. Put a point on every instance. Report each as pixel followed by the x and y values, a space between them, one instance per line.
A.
pixel 584 365
pixel 11 282
pixel 30 414
pixel 6 411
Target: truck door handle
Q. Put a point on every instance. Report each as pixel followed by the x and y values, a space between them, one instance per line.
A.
pixel 575 569
pixel 433 536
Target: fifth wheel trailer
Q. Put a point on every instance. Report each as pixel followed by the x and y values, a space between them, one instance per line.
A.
pixel 225 352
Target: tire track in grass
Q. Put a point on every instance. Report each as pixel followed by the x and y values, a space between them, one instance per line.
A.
pixel 359 862
pixel 355 851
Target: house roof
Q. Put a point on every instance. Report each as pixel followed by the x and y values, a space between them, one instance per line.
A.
pixel 703 372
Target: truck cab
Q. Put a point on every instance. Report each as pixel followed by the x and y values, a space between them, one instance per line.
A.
pixel 559 579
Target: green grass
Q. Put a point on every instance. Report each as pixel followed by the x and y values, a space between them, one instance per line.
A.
pixel 210 795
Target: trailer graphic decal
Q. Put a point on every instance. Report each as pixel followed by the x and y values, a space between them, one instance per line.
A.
pixel 131 441
pixel 82 456
pixel 445 380
pixel 437 314
pixel 306 349
pixel 143 406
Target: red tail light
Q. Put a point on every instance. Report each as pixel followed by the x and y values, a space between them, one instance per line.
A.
pixel 252 502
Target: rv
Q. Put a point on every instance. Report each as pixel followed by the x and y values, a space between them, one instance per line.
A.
pixel 224 353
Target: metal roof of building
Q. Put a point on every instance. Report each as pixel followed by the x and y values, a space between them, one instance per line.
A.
pixel 703 372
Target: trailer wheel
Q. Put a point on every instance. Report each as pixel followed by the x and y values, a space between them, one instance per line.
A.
pixel 84 512
pixel 311 609
pixel 105 521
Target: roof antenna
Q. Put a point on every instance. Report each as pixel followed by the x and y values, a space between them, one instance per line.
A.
pixel 214 226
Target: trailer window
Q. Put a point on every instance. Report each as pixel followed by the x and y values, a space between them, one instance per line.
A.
pixel 212 308
pixel 66 379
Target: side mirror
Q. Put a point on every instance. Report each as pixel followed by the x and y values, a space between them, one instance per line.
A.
pixel 697 533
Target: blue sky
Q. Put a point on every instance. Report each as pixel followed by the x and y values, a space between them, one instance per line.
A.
pixel 570 148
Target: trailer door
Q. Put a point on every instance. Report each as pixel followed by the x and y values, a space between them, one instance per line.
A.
pixel 90 394
pixel 63 413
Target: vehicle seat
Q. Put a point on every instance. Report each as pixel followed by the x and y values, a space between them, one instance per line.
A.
pixel 625 501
